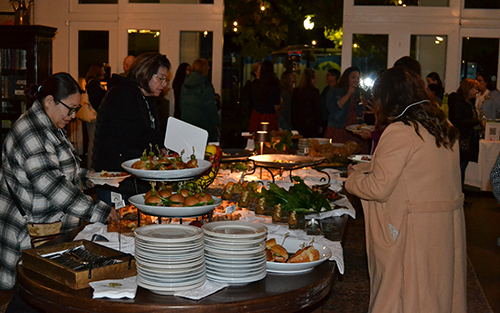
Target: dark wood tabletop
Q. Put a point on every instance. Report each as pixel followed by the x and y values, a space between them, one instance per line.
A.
pixel 275 293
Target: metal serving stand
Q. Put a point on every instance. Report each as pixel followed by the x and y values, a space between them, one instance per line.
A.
pixel 287 162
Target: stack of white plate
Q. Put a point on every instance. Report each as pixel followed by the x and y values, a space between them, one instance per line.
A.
pixel 306 143
pixel 235 252
pixel 169 258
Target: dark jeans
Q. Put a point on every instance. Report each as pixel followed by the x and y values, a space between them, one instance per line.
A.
pixel 463 167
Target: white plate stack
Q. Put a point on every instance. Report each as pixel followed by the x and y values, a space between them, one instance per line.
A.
pixel 169 258
pixel 306 143
pixel 235 252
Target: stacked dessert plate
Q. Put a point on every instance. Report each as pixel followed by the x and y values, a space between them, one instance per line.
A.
pixel 169 258
pixel 235 252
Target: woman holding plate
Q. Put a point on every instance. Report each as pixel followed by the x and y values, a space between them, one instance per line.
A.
pixel 415 229
pixel 128 120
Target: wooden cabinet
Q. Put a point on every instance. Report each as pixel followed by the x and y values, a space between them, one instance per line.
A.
pixel 25 59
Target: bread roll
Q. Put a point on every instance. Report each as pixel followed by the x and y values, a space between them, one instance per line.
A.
pixel 308 254
pixel 271 242
pixel 278 253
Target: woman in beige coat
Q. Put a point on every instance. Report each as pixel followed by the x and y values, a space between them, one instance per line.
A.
pixel 413 203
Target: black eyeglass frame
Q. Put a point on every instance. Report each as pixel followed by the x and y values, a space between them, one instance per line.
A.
pixel 71 110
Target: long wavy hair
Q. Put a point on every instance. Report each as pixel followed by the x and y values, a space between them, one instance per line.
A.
pixel 344 79
pixel 395 90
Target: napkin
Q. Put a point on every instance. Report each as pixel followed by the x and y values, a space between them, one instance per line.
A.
pixel 208 288
pixel 100 182
pixel 115 288
pixel 281 230
pixel 127 245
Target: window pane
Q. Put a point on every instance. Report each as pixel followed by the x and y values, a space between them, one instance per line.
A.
pixel 479 54
pixel 143 40
pixel 97 1
pixel 369 54
pixel 93 48
pixel 196 45
pixel 422 3
pixel 430 51
pixel 482 4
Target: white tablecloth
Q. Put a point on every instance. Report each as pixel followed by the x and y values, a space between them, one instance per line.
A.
pixel 478 174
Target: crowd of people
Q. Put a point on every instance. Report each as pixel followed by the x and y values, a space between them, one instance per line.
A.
pixel 413 141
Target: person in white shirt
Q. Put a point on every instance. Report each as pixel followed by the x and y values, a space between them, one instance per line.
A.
pixel 488 98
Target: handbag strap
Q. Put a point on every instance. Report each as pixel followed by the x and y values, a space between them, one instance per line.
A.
pixel 16 200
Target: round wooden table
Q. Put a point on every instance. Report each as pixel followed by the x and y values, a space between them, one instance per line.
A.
pixel 275 293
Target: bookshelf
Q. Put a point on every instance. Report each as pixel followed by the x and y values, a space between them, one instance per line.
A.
pixel 25 59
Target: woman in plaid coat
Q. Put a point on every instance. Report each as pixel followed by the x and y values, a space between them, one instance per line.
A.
pixel 42 170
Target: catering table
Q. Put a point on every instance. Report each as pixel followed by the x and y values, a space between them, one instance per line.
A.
pixel 275 293
pixel 478 174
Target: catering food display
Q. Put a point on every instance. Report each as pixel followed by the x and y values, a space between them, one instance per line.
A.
pixel 235 252
pixel 173 211
pixel 169 258
pixel 285 161
pixel 105 177
pixel 294 256
pixel 335 155
pixel 129 220
pixel 277 253
pixel 166 175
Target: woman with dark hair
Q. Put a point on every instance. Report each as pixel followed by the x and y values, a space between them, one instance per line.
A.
pixel 413 203
pixel 463 115
pixel 40 174
pixel 488 98
pixel 306 106
pixel 128 120
pixel 180 75
pixel 198 100
pixel 438 90
pixel 343 104
pixel 265 98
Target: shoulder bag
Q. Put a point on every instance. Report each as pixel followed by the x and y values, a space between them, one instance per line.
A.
pixel 40 233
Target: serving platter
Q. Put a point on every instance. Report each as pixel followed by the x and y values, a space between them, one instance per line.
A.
pixel 235 155
pixel 170 211
pixel 356 128
pixel 96 178
pixel 285 161
pixel 292 245
pixel 169 175
pixel 360 158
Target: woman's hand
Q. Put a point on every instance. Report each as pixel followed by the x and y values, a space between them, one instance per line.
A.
pixel 365 133
pixel 113 216
pixel 90 184
pixel 350 170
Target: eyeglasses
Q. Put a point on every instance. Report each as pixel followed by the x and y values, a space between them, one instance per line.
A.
pixel 163 80
pixel 71 110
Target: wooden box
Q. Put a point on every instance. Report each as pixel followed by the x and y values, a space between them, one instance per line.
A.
pixel 33 259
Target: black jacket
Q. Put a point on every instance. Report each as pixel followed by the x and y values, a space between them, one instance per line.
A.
pixel 124 127
pixel 463 116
